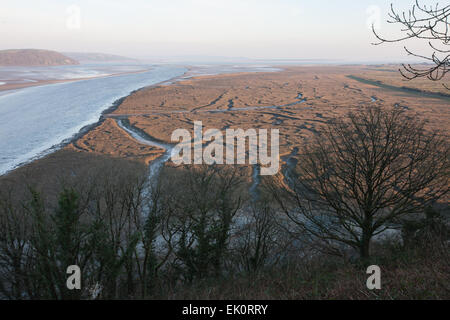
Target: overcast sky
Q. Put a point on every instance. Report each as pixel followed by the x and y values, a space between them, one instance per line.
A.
pixel 263 29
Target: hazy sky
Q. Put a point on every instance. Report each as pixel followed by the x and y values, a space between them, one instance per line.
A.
pixel 267 29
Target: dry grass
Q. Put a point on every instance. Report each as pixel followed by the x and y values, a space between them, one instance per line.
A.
pixel 405 274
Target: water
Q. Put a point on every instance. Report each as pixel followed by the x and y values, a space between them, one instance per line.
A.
pixel 156 165
pixel 37 119
pixel 13 74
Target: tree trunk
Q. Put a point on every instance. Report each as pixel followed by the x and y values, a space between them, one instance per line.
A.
pixel 364 249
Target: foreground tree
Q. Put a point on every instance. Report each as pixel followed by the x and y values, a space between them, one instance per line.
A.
pixel 362 174
pixel 94 222
pixel 205 201
pixel 425 23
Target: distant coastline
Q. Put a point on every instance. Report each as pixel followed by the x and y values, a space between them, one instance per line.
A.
pixel 34 57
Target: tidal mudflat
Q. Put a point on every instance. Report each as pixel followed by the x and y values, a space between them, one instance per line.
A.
pixel 296 100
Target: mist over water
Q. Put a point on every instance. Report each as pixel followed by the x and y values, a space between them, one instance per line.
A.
pixel 35 119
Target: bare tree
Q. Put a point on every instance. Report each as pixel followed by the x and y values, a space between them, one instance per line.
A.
pixel 360 175
pixel 426 23
pixel 260 241
pixel 14 251
pixel 95 222
pixel 202 211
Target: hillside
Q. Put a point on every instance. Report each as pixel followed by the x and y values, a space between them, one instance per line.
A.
pixel 34 57
pixel 93 57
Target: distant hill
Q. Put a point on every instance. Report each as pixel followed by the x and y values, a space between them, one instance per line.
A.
pixel 34 57
pixel 97 57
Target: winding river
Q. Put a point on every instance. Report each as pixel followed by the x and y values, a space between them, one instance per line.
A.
pixel 38 120
pixel 155 166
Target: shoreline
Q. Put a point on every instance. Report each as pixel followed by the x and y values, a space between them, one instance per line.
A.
pixel 86 129
pixel 186 76
pixel 38 83
pixel 116 104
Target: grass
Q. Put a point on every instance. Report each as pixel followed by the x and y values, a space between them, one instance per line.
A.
pixel 415 273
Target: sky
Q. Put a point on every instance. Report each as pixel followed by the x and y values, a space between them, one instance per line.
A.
pixel 257 29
